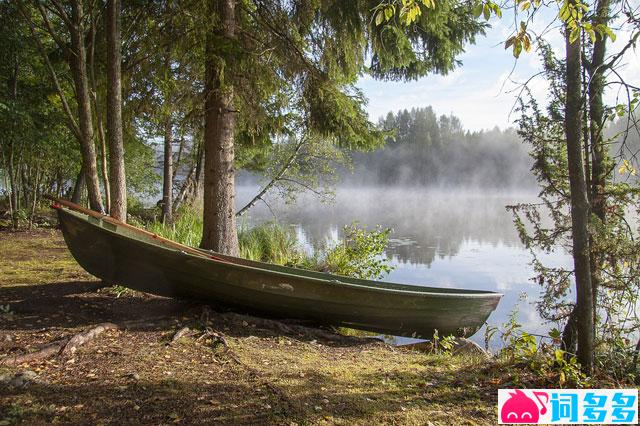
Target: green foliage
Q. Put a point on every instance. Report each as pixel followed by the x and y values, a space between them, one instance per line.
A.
pixel 360 254
pixel 442 345
pixel 538 355
pixel 426 37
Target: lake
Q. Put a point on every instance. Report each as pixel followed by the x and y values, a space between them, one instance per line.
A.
pixel 441 237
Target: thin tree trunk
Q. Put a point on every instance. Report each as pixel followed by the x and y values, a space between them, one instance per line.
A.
pixel 273 181
pixel 167 184
pixel 99 125
pixel 114 112
pixel 78 187
pixel 599 157
pixel 198 188
pixel 219 224
pixel 176 165
pixel 34 197
pixel 79 70
pixel 13 195
pixel 579 204
pixel 184 190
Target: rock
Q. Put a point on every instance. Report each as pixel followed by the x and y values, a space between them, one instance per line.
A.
pixel 464 346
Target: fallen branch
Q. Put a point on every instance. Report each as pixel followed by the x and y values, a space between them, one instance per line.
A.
pixel 61 347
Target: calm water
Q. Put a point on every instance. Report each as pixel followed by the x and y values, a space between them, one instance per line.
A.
pixel 445 238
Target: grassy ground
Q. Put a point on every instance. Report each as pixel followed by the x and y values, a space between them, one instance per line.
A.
pixel 134 375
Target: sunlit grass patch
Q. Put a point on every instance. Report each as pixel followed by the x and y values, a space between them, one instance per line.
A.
pixel 36 258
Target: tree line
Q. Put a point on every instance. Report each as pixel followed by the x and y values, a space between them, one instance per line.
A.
pixel 424 149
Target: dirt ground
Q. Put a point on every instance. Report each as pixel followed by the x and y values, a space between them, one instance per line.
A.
pixel 228 369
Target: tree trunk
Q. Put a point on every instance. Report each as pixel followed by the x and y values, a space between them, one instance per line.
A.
pixel 99 126
pixel 34 197
pixel 599 157
pixel 167 173
pixel 199 175
pixel 78 62
pixel 13 194
pixel 219 225
pixel 117 176
pixel 78 187
pixel 579 205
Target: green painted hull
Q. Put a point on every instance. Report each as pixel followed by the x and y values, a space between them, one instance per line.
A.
pixel 133 259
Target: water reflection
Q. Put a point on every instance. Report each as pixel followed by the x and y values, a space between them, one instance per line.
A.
pixel 445 238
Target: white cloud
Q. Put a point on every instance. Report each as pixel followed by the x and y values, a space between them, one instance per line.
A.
pixel 477 92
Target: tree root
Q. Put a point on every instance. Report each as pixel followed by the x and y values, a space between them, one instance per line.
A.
pixel 183 332
pixel 218 337
pixel 63 347
pixel 295 329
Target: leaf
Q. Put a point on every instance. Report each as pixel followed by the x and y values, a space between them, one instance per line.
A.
pixel 527 43
pixel 379 17
pixel 477 10
pixel 609 32
pixel 509 42
pixel 517 48
pixel 525 5
pixel 388 13
pixel 487 12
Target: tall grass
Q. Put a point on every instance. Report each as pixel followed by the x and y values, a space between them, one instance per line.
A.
pixel 186 229
pixel 268 242
pixel 361 254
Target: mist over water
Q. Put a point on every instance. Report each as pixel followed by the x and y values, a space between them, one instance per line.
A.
pixel 444 237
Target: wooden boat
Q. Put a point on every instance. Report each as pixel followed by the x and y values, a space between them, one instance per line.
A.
pixel 120 253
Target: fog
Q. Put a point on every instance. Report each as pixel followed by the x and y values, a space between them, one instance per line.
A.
pixel 426 150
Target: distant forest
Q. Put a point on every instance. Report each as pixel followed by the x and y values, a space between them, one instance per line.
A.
pixel 425 150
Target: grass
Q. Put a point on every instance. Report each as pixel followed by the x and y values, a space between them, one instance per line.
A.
pixel 268 242
pixel 360 255
pixel 276 379
pixel 39 256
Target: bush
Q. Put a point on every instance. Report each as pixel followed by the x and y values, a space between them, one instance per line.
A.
pixel 361 254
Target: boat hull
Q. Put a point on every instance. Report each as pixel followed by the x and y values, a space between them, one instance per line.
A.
pixel 118 254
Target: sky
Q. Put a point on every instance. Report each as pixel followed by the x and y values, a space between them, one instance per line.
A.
pixel 483 90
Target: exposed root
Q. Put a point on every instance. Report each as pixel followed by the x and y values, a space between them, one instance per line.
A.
pixel 46 351
pixel 61 347
pixel 82 338
pixel 183 332
pixel 293 328
pixel 218 337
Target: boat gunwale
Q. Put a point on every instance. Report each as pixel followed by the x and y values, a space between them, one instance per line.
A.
pixel 374 286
